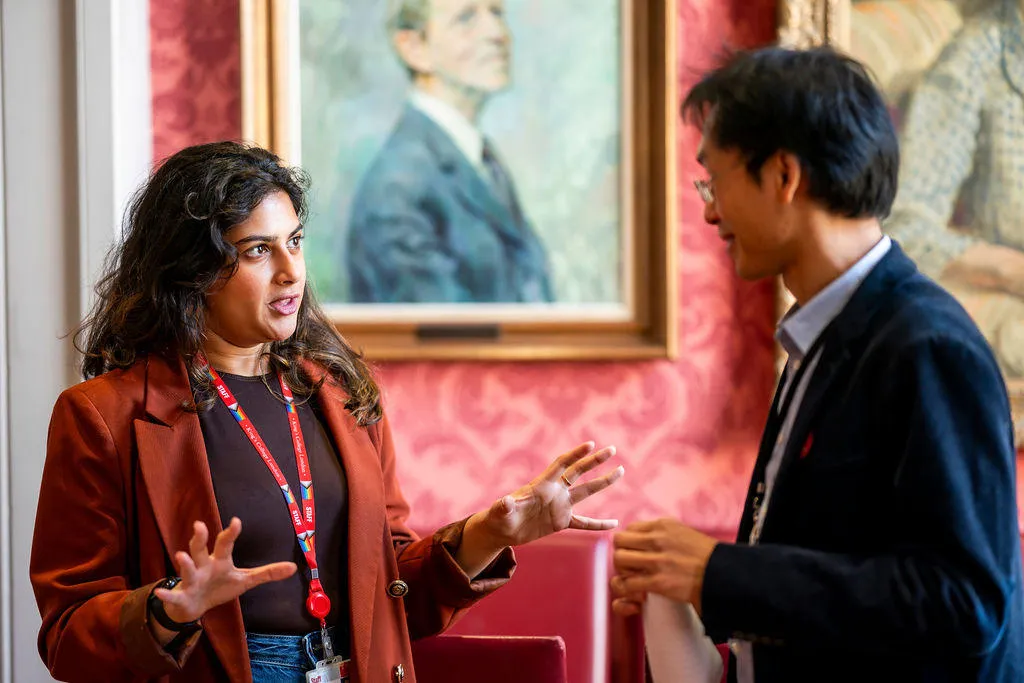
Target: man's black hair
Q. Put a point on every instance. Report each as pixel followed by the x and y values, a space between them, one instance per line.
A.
pixel 817 104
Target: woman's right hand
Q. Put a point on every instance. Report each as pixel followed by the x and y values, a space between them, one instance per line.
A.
pixel 211 579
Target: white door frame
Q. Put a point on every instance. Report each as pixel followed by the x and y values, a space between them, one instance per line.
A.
pixel 75 139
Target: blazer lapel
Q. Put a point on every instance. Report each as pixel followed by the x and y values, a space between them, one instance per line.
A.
pixel 479 198
pixel 366 516
pixel 174 467
pixel 842 342
pixel 830 367
pixel 764 454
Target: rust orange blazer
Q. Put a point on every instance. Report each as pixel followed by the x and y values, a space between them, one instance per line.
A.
pixel 125 476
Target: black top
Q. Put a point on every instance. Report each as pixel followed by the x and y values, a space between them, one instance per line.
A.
pixel 246 489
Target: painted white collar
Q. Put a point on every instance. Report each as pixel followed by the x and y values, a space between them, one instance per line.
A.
pixel 463 133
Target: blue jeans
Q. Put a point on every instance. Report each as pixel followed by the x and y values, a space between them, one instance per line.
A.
pixel 284 659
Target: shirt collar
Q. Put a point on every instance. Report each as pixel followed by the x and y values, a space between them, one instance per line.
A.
pixel 463 133
pixel 802 325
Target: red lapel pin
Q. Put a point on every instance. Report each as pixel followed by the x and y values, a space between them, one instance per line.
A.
pixel 807 446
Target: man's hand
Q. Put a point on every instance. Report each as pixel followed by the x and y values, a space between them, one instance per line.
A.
pixel 664 557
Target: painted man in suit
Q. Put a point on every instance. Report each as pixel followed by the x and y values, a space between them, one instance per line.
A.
pixel 879 537
pixel 436 218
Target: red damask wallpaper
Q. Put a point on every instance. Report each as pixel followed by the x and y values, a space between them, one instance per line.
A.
pixel 195 73
pixel 467 432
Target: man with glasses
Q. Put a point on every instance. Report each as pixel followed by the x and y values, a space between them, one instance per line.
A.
pixel 879 537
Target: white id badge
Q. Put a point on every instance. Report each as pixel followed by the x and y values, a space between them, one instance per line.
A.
pixel 329 671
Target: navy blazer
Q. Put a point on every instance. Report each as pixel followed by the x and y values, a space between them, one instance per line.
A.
pixel 426 228
pixel 890 550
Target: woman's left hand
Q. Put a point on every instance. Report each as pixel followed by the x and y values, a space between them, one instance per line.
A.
pixel 544 506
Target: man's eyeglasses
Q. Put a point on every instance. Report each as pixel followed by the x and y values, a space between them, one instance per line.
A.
pixel 705 190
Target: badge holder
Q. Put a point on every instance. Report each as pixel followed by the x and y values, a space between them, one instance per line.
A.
pixel 329 671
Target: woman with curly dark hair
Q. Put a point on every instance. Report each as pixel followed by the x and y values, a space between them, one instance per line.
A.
pixel 215 386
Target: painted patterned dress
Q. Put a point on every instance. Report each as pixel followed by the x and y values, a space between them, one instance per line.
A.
pixel 962 170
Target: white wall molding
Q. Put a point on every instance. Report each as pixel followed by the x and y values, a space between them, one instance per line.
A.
pixel 75 140
pixel 40 273
pixel 6 620
pixel 115 130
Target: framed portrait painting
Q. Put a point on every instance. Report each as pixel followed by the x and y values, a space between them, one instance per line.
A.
pixel 491 179
pixel 952 72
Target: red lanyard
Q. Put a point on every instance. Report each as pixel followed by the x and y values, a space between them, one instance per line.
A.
pixel 317 602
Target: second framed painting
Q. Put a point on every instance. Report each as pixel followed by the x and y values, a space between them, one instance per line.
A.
pixel 491 179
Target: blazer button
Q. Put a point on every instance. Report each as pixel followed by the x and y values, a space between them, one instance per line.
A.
pixel 398 588
pixel 399 673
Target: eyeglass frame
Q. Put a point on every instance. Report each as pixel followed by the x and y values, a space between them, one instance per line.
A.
pixel 705 189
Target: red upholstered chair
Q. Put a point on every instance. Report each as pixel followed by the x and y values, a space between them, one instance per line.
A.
pixel 560 588
pixel 628 660
pixel 489 659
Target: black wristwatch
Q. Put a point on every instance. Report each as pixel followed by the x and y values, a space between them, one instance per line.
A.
pixel 156 610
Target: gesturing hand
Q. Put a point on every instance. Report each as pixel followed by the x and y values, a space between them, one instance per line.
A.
pixel 544 506
pixel 208 580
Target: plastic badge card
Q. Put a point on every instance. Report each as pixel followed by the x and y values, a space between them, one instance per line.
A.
pixel 329 671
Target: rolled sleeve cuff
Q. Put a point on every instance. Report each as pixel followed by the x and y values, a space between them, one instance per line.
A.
pixel 144 652
pixel 457 589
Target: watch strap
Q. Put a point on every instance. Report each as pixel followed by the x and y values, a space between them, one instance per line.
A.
pixel 157 611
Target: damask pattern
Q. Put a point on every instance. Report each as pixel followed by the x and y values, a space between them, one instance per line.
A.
pixel 194 50
pixel 686 431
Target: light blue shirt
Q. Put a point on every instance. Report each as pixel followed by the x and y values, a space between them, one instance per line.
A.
pixel 797 333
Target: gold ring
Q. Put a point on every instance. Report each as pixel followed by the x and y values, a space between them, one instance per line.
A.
pixel 568 484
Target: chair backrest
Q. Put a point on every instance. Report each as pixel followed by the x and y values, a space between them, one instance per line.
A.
pixel 489 659
pixel 560 588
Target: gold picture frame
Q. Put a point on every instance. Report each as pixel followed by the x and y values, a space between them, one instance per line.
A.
pixel 806 23
pixel 648 102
